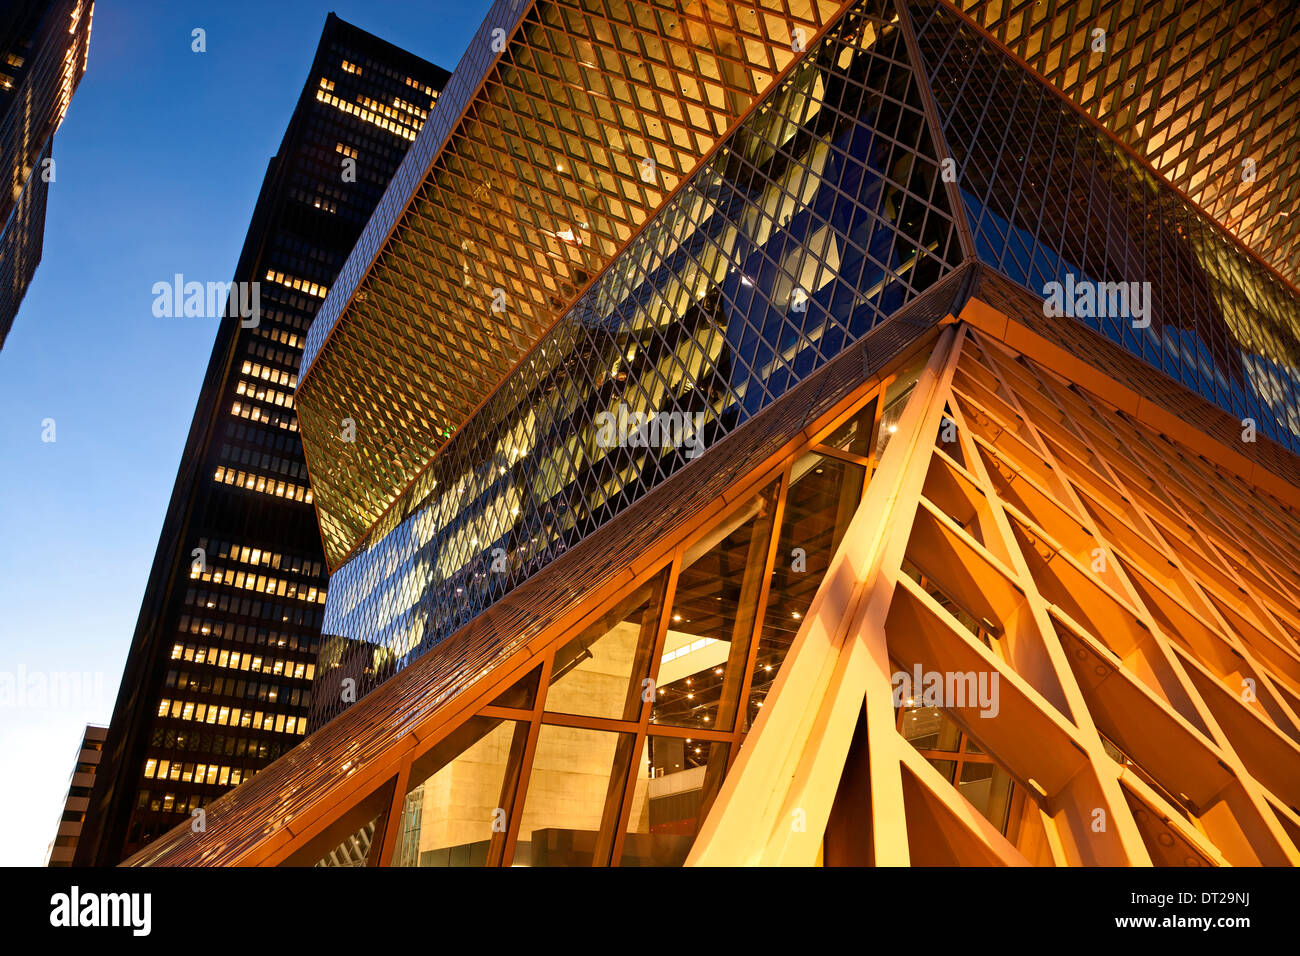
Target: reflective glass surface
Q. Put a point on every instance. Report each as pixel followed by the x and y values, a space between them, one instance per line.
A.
pixel 815 220
pixel 1051 198
pixel 820 216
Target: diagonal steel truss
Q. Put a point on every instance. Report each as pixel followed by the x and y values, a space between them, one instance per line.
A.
pixel 1141 604
pixel 1133 593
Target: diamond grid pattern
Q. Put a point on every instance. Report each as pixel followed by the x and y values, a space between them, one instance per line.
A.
pixel 1048 194
pixel 832 190
pixel 1196 87
pixel 697 315
pixel 594 112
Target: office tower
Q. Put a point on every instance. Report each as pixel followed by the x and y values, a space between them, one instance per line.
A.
pixel 875 463
pixel 216 682
pixel 64 845
pixel 43 49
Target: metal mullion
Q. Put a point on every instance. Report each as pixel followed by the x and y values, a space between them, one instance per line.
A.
pixel 689 733
pixel 393 818
pixel 647 706
pixel 586 722
pixel 874 440
pixel 830 451
pixel 526 764
pixel 504 713
pixel 760 609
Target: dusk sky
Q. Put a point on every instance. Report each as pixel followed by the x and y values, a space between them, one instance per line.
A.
pixel 159 162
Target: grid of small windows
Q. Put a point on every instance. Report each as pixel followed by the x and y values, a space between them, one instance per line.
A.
pixel 250 634
pixel 297 284
pixel 254 413
pixel 1051 199
pixel 819 216
pixel 36 87
pixel 262 484
pixel 262 583
pixel 246 661
pixel 202 598
pixel 246 618
pixel 262 393
pixel 402 118
pixel 265 557
pixel 221 715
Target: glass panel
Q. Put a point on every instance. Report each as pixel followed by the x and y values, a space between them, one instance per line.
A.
pixel 354 850
pixel 459 800
pixel 988 787
pixel 523 694
pixel 348 839
pixel 676 782
pixel 928 728
pixel 896 395
pixel 979 778
pixel 592 673
pixel 889 417
pixel 945 767
pixel 712 620
pixel 985 631
pixel 824 495
pixel 567 793
pixel 855 435
pixel 1056 206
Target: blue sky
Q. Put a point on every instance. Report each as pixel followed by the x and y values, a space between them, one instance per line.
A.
pixel 159 161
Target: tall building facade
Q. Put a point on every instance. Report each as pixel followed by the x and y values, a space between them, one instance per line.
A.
pixel 819 442
pixel 89 752
pixel 217 679
pixel 44 45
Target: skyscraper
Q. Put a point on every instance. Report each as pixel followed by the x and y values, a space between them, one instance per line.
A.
pixel 216 682
pixel 815 441
pixel 43 49
pixel 91 750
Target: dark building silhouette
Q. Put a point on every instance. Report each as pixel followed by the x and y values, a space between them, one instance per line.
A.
pixel 217 680
pixel 43 50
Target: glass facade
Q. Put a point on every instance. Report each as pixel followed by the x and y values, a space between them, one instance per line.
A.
pixel 614 744
pixel 1047 194
pixel 680 643
pixel 569 124
pixel 818 217
pixel 1205 91
pixel 1063 599
pixel 822 214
